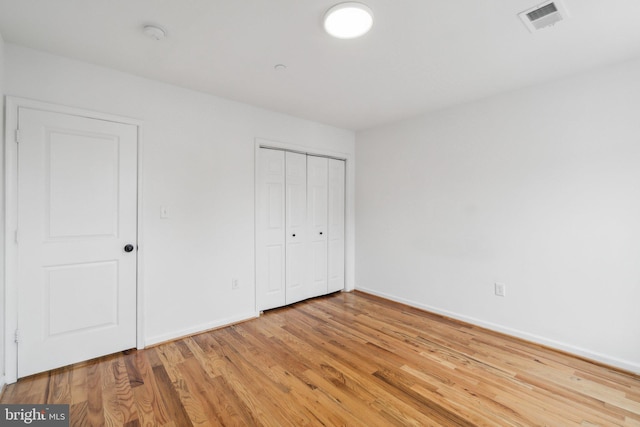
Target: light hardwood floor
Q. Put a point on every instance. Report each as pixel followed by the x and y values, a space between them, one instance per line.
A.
pixel 346 359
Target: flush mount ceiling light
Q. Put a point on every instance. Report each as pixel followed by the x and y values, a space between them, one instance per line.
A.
pixel 155 32
pixel 348 20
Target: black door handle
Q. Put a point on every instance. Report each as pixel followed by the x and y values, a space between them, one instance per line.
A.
pixel 321 233
pixel 128 248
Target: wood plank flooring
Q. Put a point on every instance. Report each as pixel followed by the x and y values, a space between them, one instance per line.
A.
pixel 347 359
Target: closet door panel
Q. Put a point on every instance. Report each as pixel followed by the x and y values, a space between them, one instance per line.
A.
pixel 317 193
pixel 270 230
pixel 336 220
pixel 297 238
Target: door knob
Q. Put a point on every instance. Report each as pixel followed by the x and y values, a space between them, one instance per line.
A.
pixel 321 233
pixel 293 235
pixel 128 248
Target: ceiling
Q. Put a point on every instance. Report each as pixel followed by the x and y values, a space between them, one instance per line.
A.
pixel 421 55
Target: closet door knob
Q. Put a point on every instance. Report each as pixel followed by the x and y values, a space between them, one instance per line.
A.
pixel 128 248
pixel 293 235
pixel 321 233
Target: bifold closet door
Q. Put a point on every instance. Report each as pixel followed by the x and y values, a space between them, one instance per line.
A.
pixel 297 235
pixel 317 218
pixel 270 229
pixel 336 219
pixel 300 212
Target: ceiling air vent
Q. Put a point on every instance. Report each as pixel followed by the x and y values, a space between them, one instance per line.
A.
pixel 544 15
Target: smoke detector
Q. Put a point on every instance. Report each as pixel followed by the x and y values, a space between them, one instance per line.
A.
pixel 155 32
pixel 544 15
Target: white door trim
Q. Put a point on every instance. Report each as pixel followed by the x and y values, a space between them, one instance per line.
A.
pixel 349 231
pixel 11 220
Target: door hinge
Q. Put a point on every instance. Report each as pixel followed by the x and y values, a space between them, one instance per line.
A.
pixel 17 136
pixel 17 337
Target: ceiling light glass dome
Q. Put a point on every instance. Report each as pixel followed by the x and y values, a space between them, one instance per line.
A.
pixel 348 20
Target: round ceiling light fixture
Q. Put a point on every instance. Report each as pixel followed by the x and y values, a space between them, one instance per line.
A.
pixel 348 20
pixel 154 31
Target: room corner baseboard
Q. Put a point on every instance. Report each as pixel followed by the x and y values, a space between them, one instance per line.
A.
pixel 204 327
pixel 3 385
pixel 625 365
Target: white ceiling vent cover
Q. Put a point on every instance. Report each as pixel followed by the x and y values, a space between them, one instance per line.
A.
pixel 544 15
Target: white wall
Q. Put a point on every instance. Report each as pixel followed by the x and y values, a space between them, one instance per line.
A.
pixel 538 189
pixel 2 313
pixel 198 161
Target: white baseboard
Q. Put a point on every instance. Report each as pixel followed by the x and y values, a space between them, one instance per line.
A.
pixel 578 351
pixel 199 328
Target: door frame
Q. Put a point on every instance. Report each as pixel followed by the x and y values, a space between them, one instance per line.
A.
pixel 12 106
pixel 349 223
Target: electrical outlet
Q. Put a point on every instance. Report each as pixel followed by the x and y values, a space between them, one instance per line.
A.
pixel 235 284
pixel 500 289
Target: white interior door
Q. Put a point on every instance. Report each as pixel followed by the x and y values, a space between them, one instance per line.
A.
pixel 270 230
pixel 336 224
pixel 317 193
pixel 297 287
pixel 77 210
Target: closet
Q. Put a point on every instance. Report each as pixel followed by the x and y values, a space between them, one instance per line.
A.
pixel 300 211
